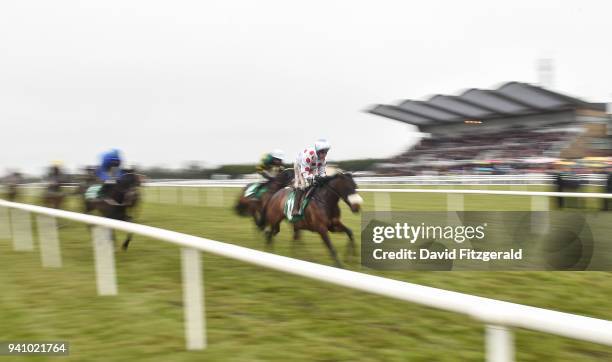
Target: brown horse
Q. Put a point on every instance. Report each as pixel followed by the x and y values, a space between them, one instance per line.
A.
pixel 321 215
pixel 253 206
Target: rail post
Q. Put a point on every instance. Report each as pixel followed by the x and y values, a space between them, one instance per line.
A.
pixel 499 344
pixel 193 299
pixel 50 254
pixel 454 204
pixel 171 195
pixel 214 196
pixel 189 195
pixel 21 225
pixel 5 223
pixel 540 223
pixel 382 205
pixel 104 255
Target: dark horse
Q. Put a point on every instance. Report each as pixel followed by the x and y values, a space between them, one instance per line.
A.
pixel 117 201
pixel 322 214
pixel 12 185
pixel 53 195
pixel 252 206
pixel 12 192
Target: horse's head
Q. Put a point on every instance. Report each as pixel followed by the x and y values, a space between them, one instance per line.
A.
pixel 344 185
pixel 128 185
pixel 284 178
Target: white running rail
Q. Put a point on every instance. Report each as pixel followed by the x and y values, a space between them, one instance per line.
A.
pixel 498 316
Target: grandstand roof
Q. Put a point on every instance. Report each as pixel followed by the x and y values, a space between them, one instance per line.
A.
pixel 512 99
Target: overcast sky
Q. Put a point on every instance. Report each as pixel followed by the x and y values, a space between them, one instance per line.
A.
pixel 224 81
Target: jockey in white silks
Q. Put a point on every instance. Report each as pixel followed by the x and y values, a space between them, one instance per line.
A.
pixel 309 165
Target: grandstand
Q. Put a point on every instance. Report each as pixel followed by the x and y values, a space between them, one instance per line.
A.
pixel 517 125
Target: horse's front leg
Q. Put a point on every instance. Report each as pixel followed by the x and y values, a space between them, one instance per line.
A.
pixel 325 236
pixel 256 217
pixel 128 237
pixel 274 229
pixel 126 243
pixel 340 227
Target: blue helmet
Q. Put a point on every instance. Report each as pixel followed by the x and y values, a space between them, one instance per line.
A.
pixel 114 152
pixel 111 158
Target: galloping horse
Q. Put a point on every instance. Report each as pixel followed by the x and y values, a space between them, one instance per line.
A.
pixel 53 195
pixel 12 185
pixel 12 191
pixel 121 197
pixel 321 215
pixel 253 206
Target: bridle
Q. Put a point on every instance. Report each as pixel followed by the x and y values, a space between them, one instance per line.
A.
pixel 343 198
pixel 112 202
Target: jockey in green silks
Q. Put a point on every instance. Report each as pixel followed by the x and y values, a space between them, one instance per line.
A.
pixel 269 167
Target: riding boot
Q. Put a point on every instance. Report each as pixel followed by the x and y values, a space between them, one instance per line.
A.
pixel 297 202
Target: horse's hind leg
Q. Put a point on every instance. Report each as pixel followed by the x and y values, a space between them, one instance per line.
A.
pixel 297 245
pixel 325 236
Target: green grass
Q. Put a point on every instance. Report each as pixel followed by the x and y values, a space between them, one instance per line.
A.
pixel 255 314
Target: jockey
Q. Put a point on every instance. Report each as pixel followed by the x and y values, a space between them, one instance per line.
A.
pixel 309 166
pixel 55 176
pixel 271 164
pixel 109 170
pixel 269 167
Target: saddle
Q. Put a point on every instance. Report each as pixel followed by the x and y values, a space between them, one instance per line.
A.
pixel 291 200
pixel 93 192
pixel 255 190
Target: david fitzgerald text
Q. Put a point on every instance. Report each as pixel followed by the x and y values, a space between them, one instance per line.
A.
pixel 446 254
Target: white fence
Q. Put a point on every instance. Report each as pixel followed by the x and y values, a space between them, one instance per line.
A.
pixel 522 179
pixel 212 194
pixel 498 316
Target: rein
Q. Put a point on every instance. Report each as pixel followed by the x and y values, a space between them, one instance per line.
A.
pixel 335 193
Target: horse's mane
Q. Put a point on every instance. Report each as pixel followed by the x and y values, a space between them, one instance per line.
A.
pixel 284 176
pixel 128 179
pixel 325 179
